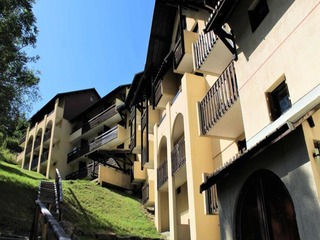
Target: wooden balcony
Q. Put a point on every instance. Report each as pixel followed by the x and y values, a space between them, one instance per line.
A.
pixel 22 140
pixel 148 194
pixel 109 139
pixel 106 140
pixel 90 171
pixel 162 174
pixel 182 60
pixel 47 135
pixel 37 142
pixel 220 110
pixel 78 152
pixel 106 116
pixel 178 156
pixel 28 149
pixel 211 54
pixel 44 156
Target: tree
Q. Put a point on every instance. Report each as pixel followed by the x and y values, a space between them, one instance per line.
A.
pixel 18 83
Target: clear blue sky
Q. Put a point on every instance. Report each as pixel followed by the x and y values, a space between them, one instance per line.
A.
pixel 90 43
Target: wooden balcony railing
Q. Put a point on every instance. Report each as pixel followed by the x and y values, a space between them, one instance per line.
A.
pixel 212 199
pixel 203 46
pixel 178 51
pixel 34 162
pixel 37 142
pixel 78 152
pixel 145 193
pixel 95 121
pixel 28 149
pixel 162 173
pixel 144 119
pixel 144 155
pixel 44 156
pixel 104 138
pixel 22 139
pixel 221 96
pixel 47 135
pixel 132 143
pixel 178 155
pixel 91 171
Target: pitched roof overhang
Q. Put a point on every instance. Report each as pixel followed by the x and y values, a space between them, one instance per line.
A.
pixel 50 105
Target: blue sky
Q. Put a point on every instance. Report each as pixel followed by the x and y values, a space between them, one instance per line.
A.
pixel 90 43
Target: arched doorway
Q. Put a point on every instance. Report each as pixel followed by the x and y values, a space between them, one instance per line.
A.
pixel 265 209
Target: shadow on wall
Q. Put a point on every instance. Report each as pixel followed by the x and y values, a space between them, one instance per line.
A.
pixel 247 40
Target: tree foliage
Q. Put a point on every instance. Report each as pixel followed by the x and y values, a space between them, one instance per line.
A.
pixel 18 82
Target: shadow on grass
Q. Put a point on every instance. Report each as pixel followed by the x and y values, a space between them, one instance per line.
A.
pixel 17 205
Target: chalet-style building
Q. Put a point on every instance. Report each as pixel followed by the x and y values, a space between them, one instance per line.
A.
pixel 220 131
pixel 228 104
pixel 83 135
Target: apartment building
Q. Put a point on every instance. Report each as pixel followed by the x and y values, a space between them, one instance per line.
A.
pixel 84 136
pixel 221 130
pixel 46 142
pixel 228 104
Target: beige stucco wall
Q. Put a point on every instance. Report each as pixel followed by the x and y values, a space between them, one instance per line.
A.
pixel 114 177
pixel 283 44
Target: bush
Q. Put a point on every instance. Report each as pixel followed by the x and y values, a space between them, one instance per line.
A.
pixel 7 156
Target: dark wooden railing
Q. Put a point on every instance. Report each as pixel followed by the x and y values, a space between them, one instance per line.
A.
pixel 145 193
pixel 178 155
pixel 178 51
pixel 91 170
pixel 212 199
pixel 44 156
pixel 144 119
pixel 221 96
pixel 202 47
pixel 95 121
pixel 162 173
pixel 22 139
pixel 47 135
pixel 34 162
pixel 48 207
pixel 28 149
pixel 104 138
pixel 37 142
pixel 78 152
pixel 158 91
pixel 144 155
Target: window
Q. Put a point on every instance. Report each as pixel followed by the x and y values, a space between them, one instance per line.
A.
pixel 257 12
pixel 279 101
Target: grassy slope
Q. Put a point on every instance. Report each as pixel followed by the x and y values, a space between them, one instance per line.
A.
pixel 88 208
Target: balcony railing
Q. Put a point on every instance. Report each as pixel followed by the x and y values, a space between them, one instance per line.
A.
pixel 221 96
pixel 22 139
pixel 37 142
pixel 145 193
pixel 78 152
pixel 47 135
pixel 203 47
pixel 104 138
pixel 144 156
pixel 101 117
pixel 34 162
pixel 178 155
pixel 144 120
pixel 212 53
pixel 44 156
pixel 212 199
pixel 28 149
pixel 162 173
pixel 91 170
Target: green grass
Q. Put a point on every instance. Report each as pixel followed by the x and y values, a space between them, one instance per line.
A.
pixel 88 209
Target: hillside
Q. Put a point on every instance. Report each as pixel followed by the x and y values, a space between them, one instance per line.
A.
pixel 88 210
